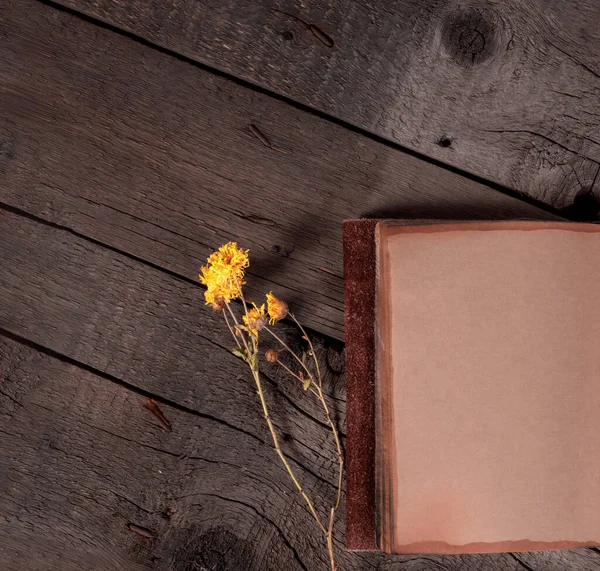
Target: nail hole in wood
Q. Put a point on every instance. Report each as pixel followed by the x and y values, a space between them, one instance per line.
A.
pixel 444 141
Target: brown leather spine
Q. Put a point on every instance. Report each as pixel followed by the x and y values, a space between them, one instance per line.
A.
pixel 359 301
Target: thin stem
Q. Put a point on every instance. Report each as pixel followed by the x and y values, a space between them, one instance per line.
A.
pixel 232 314
pixel 254 342
pixel 298 377
pixel 338 444
pixel 326 409
pixel 329 536
pixel 237 323
pixel 312 349
pixel 237 283
pixel 311 507
pixel 327 413
pixel 330 549
pixel 251 355
pixel 285 346
pixel 330 541
pixel 235 337
pixel 290 371
pixel 321 398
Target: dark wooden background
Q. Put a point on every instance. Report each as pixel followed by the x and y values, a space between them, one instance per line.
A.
pixel 137 136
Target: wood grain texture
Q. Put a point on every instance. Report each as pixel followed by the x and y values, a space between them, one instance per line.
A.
pixel 507 90
pixel 163 160
pixel 89 470
pixel 82 456
pixel 70 484
pixel 149 333
pixel 133 153
pixel 94 482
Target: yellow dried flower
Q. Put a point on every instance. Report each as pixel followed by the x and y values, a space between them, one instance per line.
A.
pixel 256 319
pixel 220 286
pixel 278 308
pixel 230 256
pixel 224 275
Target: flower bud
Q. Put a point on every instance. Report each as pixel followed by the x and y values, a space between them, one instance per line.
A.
pixel 272 355
pixel 260 322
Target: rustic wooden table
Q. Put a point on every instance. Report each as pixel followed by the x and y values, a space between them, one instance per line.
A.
pixel 136 137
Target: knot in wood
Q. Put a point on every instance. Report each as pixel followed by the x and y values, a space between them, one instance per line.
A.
pixel 471 35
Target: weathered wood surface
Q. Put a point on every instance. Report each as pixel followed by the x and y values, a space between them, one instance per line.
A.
pixel 121 167
pixel 156 157
pixel 92 481
pixel 149 332
pixel 82 459
pixel 507 90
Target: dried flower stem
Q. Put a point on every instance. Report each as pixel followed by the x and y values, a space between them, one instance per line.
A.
pixel 282 364
pixel 237 282
pixel 237 341
pixel 338 445
pixel 311 507
pixel 286 347
pixel 319 395
pixel 327 413
pixel 224 278
pixel 310 345
pixel 253 363
pixel 318 382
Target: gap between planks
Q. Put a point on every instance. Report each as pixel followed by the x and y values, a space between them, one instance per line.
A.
pixel 303 107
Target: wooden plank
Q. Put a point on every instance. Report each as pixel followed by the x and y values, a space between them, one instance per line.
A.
pixel 70 485
pixel 216 471
pixel 166 161
pixel 92 481
pixel 83 459
pixel 138 324
pixel 508 90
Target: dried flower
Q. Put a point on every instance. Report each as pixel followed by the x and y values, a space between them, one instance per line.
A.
pixel 224 278
pixel 272 355
pixel 234 258
pixel 224 275
pixel 278 308
pixel 256 319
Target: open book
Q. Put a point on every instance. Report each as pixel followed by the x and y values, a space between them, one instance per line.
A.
pixel 473 367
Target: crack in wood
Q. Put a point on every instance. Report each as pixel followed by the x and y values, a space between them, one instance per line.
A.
pixel 315 30
pixel 521 562
pixel 52 353
pixel 11 398
pixel 577 61
pixel 90 369
pixel 131 502
pixel 142 531
pixel 545 137
pixel 131 440
pixel 260 135
pixel 56 226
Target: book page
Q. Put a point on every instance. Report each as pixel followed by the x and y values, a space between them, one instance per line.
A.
pixel 489 342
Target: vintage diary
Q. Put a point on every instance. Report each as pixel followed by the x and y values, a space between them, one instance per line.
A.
pixel 473 371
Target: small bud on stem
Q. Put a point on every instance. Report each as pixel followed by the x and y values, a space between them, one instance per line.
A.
pixel 272 355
